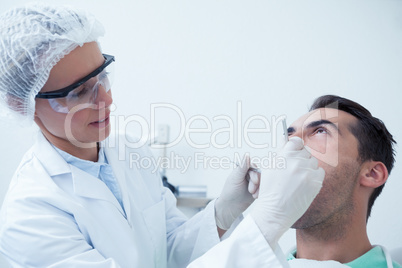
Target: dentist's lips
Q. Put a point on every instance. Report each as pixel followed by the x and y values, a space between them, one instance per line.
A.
pixel 101 123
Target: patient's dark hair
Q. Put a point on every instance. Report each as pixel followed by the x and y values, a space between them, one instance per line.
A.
pixel 375 141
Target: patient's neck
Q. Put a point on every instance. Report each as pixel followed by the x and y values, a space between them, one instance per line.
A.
pixel 340 238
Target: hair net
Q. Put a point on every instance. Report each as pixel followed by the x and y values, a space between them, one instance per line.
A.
pixel 33 39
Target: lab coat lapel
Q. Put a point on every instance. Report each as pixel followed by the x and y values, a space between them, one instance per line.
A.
pixel 86 185
pixel 131 183
pixel 118 171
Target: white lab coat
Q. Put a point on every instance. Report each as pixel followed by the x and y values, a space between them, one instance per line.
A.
pixel 56 215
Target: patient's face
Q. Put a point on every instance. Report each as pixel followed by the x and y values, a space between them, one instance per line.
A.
pixel 326 134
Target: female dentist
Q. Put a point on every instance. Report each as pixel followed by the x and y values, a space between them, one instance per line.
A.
pixel 74 201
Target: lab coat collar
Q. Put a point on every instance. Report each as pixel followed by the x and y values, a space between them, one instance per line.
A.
pixel 51 160
pixel 84 184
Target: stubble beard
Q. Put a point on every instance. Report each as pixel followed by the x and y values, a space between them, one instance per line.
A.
pixel 332 210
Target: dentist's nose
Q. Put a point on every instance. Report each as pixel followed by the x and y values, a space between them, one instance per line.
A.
pixel 103 98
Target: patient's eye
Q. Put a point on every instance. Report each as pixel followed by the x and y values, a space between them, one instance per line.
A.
pixel 320 130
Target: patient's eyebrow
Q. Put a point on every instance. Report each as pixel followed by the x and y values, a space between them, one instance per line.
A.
pixel 291 130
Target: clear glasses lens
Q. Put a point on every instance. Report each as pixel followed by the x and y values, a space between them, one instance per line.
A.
pixel 86 95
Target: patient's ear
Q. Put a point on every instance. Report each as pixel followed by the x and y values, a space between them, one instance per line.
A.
pixel 373 174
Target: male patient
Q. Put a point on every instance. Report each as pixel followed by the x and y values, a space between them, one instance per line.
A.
pixel 356 151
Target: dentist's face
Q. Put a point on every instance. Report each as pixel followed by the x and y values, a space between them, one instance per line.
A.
pixel 82 127
pixel 327 134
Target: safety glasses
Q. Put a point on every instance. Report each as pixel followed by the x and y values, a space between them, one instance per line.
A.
pixel 84 92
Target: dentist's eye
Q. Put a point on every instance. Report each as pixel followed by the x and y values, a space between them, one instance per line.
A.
pixel 79 92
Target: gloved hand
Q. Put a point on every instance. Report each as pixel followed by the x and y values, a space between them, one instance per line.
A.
pixel 286 194
pixel 238 193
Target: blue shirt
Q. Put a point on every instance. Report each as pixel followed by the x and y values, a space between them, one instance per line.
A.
pixel 101 170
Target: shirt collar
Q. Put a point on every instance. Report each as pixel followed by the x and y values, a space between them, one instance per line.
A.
pixel 90 167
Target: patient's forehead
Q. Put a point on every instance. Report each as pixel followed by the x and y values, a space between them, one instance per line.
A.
pixel 338 117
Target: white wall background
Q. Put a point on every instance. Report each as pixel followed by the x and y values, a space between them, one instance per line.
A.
pixel 275 57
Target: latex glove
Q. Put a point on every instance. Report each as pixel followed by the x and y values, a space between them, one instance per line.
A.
pixel 237 194
pixel 285 194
